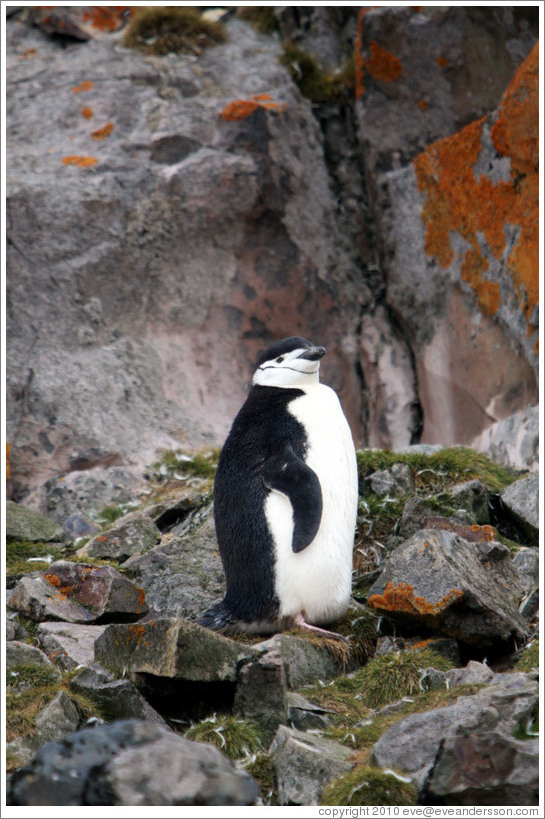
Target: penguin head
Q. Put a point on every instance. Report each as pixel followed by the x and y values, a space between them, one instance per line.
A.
pixel 291 362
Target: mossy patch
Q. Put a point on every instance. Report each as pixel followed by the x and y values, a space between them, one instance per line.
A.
pixel 161 30
pixel 183 466
pixel 262 770
pixel 25 556
pixel 367 785
pixel 236 738
pixel 313 82
pixel 261 17
pixel 529 658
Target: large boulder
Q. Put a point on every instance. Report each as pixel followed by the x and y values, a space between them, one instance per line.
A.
pixel 437 579
pixel 104 766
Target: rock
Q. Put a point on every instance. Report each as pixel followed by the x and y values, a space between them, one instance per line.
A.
pixel 488 768
pixel 261 692
pixel 467 591
pixel 521 499
pixel 91 488
pixel 513 441
pixel 18 653
pixel 472 496
pixel 15 631
pixel 304 661
pixel 184 576
pixel 472 673
pixel 28 524
pixel 419 510
pixel 104 765
pixel 397 480
pixel 305 715
pixel 170 648
pixel 77 526
pixel 128 537
pixel 78 593
pixel 411 745
pixel 526 562
pixel 69 645
pixel 457 284
pixel 446 647
pixel 117 699
pixel 59 717
pixel 304 764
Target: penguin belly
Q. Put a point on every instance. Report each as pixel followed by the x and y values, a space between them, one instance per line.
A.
pixel 318 580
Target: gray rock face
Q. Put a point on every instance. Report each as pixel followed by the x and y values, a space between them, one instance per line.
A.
pixel 522 501
pixel 304 764
pixel 78 593
pixel 304 662
pixel 468 590
pixel 412 744
pixel 513 441
pixel 261 692
pixel 119 699
pixel 394 481
pixel 88 490
pixel 170 648
pixel 526 562
pixel 59 717
pixel 28 524
pixel 104 765
pixel 19 653
pixel 513 779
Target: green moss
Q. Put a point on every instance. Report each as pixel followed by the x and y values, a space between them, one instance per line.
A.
pixel 110 514
pixel 261 17
pixel 395 675
pixel 529 729
pixel 359 624
pixel 438 471
pixel 18 553
pixel 366 785
pixel 529 659
pixel 236 738
pixel 315 83
pixel 262 770
pixel 161 30
pixel 182 466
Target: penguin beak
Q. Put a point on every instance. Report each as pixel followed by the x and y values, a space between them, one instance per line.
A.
pixel 313 353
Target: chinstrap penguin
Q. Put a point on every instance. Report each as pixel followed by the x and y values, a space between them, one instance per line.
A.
pixel 285 500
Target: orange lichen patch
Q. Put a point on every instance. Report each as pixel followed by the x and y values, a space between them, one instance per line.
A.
pixel 8 465
pixel 400 599
pixel 421 644
pixel 80 161
pixel 106 18
pixel 86 85
pixel 138 633
pixel 141 599
pixel 359 85
pixel 469 531
pixel 241 109
pixel 105 131
pixel 422 104
pixel 52 579
pixel 457 201
pixel 30 52
pixel 87 112
pixel 441 62
pixel 382 65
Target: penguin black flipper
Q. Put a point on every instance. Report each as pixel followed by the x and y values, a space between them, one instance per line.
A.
pixel 289 474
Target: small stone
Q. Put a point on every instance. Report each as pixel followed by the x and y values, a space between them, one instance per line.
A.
pixel 304 662
pixel 18 653
pixel 59 717
pixel 132 536
pixel 305 715
pixel 28 524
pixel 69 645
pixel 117 699
pixel 261 692
pixel 526 562
pixel 473 497
pixel 396 481
pixel 473 673
pixel 79 525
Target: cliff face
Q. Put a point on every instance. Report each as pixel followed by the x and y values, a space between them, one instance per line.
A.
pixel 168 216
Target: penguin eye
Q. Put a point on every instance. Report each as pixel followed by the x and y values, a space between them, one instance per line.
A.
pixel 280 359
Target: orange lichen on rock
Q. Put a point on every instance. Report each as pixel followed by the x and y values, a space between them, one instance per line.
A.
pixel 457 201
pixel 241 109
pixel 106 18
pixel 138 633
pixel 401 599
pixel 382 65
pixel 79 161
pixel 8 465
pixel 422 104
pixel 52 579
pixel 87 112
pixel 102 133
pixel 86 85
pixel 441 62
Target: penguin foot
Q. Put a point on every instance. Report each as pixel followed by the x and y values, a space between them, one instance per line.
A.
pixel 217 618
pixel 298 621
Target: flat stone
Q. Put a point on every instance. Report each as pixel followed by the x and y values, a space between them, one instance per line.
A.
pixel 28 524
pixel 305 715
pixel 170 648
pixel 304 662
pixel 69 645
pixel 521 499
pixel 305 763
pixel 526 562
pixel 117 699
pixel 60 717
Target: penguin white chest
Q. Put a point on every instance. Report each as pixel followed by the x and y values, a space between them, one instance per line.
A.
pixel 317 580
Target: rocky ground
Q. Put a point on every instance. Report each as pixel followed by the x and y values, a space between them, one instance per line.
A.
pixel 109 675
